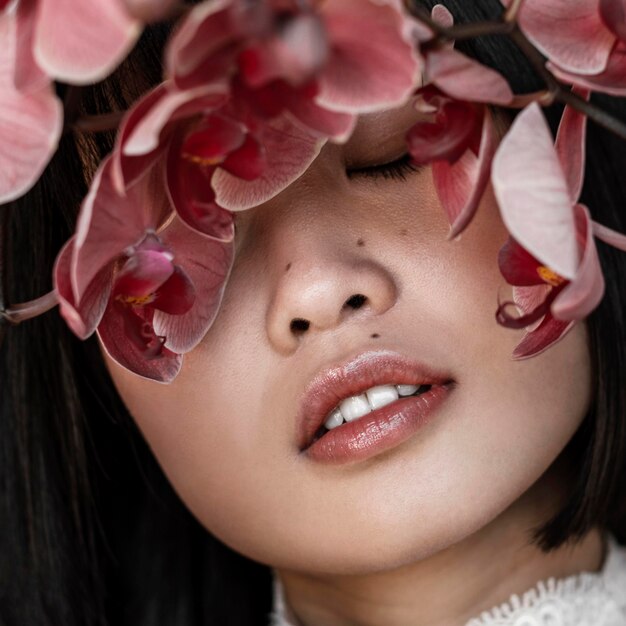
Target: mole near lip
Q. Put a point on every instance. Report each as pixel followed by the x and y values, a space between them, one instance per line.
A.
pixel 353 377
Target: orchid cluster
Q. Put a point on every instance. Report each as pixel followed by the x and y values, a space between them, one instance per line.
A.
pixel 251 92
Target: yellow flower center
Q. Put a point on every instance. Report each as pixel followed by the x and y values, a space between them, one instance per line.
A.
pixel 136 300
pixel 197 160
pixel 549 276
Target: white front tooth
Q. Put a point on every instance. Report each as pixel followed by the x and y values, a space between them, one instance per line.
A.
pixel 407 390
pixel 354 407
pixel 381 395
pixel 335 419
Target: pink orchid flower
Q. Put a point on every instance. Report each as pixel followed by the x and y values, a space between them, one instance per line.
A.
pixel 30 122
pixel 551 258
pixel 585 37
pixel 150 286
pixel 459 139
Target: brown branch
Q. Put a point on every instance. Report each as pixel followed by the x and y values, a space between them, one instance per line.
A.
pixel 96 123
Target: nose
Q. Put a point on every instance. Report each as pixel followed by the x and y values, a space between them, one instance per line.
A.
pixel 321 290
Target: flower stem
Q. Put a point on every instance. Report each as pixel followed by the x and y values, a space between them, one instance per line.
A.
pixel 97 123
pixel 27 310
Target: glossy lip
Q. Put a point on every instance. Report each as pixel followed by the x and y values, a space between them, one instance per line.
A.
pixel 352 378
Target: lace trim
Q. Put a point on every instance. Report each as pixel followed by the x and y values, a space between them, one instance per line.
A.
pixel 584 599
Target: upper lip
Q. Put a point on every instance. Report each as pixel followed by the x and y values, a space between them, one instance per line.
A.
pixel 352 378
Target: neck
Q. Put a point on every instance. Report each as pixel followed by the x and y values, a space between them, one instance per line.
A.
pixel 453 585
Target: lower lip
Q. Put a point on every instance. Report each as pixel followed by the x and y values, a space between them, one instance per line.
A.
pixel 378 431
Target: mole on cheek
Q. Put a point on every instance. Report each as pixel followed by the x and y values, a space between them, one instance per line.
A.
pixel 360 242
pixel 404 232
pixel 375 336
pixel 288 267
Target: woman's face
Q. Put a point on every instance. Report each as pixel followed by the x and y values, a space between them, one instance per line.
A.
pixel 225 431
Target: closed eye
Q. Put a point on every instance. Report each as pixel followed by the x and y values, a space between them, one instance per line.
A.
pixel 396 170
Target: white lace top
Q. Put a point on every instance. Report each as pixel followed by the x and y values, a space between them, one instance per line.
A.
pixel 584 599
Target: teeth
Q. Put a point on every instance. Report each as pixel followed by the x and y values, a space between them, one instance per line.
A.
pixel 382 395
pixel 335 419
pixel 407 390
pixel 354 407
pixel 374 398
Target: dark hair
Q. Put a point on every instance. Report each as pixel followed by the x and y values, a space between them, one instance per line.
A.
pixel 91 532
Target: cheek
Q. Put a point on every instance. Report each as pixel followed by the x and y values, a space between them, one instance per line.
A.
pixel 223 431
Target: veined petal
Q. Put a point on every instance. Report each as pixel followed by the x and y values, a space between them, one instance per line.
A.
pixel 471 178
pixel 373 63
pixel 30 123
pixel 466 79
pixel 611 81
pixel 585 292
pixel 143 273
pixel 82 42
pixel 82 319
pixel 190 192
pixel 571 147
pixel 28 76
pixel 108 223
pixel 290 151
pixel 533 195
pixel 518 267
pixel 208 264
pixel 548 333
pixel 153 361
pixel 581 43
pixel 176 295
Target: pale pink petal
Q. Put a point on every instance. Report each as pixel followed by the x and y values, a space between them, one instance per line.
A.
pixel 325 123
pixel 28 75
pixel 465 79
pixel 373 63
pixel 81 319
pixel 30 124
pixel 108 223
pixel 441 14
pixel 549 332
pixel 570 33
pixel 585 292
pixel 82 42
pixel 208 263
pixel 571 147
pixel 290 151
pixel 461 185
pixel 529 298
pixel 533 195
pixel 113 334
pixel 611 81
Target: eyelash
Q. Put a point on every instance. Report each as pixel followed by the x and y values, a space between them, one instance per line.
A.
pixel 395 170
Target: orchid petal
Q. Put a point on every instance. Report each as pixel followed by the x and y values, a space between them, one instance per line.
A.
pixel 571 147
pixel 30 124
pixel 586 291
pixel 208 264
pixel 538 215
pixel 159 364
pixel 28 76
pixel 82 319
pixel 581 43
pixel 462 185
pixel 548 333
pixel 529 298
pixel 176 295
pixel 290 151
pixel 108 223
pixel 143 273
pixel 81 43
pixel 373 63
pixel 465 79
pixel 193 198
pixel 518 267
pixel 611 81
pixel 613 13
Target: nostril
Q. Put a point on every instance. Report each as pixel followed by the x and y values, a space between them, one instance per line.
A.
pixel 299 325
pixel 356 301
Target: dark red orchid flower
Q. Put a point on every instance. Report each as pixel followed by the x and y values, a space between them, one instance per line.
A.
pixel 148 284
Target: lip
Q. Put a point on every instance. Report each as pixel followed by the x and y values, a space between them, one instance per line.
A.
pixel 380 429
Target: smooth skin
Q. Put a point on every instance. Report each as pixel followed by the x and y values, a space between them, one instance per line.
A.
pixel 435 530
